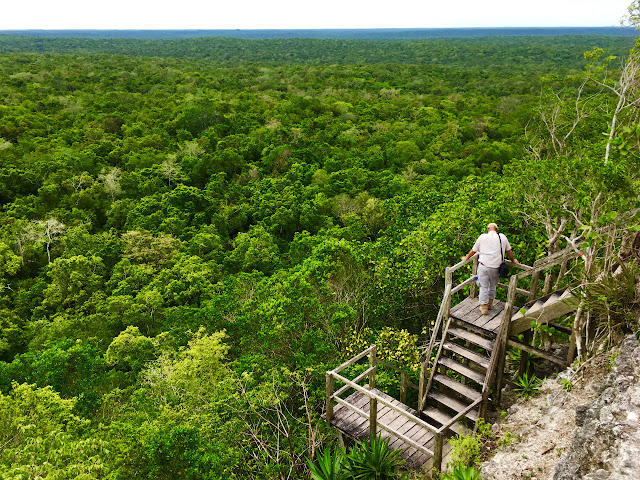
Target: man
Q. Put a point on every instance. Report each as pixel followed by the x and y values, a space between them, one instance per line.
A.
pixel 489 246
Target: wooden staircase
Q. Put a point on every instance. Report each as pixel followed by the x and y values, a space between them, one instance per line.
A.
pixel 462 370
pixel 458 377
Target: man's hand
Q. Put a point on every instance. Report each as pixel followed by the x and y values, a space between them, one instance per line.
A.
pixel 463 258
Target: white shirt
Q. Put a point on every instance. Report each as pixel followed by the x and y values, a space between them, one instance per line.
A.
pixel 488 246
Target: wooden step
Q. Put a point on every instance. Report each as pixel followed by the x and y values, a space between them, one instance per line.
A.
pixel 453 404
pixel 536 306
pixel 471 337
pixel 552 299
pixel 466 353
pixel 465 390
pixel 443 419
pixel 462 369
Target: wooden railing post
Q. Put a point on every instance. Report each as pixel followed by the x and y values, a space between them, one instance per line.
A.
pixel 372 364
pixel 448 282
pixel 501 341
pixel 330 388
pixel 474 272
pixel 533 291
pixel 373 417
pixel 422 385
pixel 403 387
pixel 437 453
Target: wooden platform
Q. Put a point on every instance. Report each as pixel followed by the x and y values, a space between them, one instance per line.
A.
pixel 468 311
pixel 357 428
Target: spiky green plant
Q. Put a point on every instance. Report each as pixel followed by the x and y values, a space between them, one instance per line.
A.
pixel 461 472
pixel 527 386
pixel 374 460
pixel 330 466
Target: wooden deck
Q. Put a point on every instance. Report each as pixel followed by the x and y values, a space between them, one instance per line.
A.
pixel 357 427
pixel 468 311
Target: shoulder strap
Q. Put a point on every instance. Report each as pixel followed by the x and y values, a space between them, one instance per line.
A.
pixel 501 254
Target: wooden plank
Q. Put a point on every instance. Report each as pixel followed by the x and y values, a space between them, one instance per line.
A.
pixel 462 285
pixel 494 324
pixel 345 417
pixel 535 351
pixel 471 337
pixel 353 360
pixel 387 429
pixel 463 370
pixel 468 392
pixel 466 353
pixel 445 419
pixel 463 307
pixel 344 388
pixel 495 312
pixel 452 403
pixel 388 401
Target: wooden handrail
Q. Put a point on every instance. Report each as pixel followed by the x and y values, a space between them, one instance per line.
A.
pixel 381 400
pixel 353 360
pixel 344 388
pixel 385 427
pixel 459 415
pixel 463 262
pixel 460 286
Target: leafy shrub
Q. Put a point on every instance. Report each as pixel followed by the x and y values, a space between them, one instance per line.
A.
pixel 366 461
pixel 461 472
pixel 527 386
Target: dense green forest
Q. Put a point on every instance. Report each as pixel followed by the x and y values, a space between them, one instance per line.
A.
pixel 193 231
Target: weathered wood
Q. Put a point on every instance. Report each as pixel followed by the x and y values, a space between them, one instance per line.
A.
pixel 460 415
pixel 383 401
pixel 461 369
pixel 472 337
pixel 353 360
pixel 501 340
pixel 373 417
pixel 372 365
pixel 475 357
pixel 423 398
pixel 524 356
pixel 464 307
pixel 521 291
pixel 364 374
pixel 403 387
pixel 463 262
pixel 386 427
pixel 535 351
pixel 437 453
pixel 424 379
pixel 460 286
pixel 474 272
pixel 565 304
pixel 449 382
pixel 533 290
pixel 452 403
pixel 329 399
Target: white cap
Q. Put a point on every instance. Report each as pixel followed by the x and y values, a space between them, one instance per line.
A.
pixel 493 226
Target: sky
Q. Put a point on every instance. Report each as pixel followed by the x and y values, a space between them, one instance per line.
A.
pixel 301 14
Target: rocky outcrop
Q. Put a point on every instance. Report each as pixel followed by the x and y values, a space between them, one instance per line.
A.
pixel 606 443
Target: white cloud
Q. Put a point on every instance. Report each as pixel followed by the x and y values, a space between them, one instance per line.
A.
pixel 220 14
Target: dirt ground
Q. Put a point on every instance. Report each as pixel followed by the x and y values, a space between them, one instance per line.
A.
pixel 543 426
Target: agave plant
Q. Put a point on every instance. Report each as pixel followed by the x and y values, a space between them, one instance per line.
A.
pixel 462 472
pixel 374 461
pixel 329 467
pixel 527 386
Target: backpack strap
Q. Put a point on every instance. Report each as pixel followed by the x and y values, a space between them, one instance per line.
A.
pixel 501 254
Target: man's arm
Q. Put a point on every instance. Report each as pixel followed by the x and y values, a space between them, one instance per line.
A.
pixel 511 257
pixel 470 254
